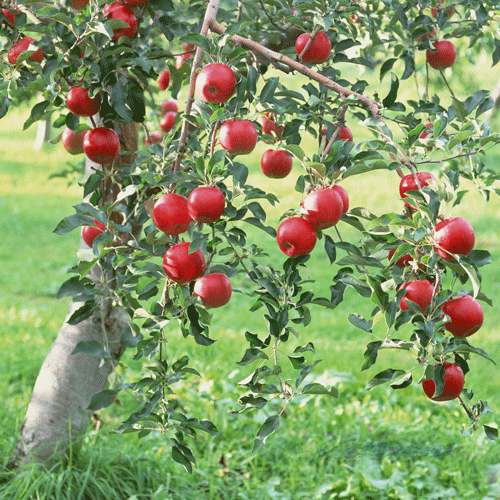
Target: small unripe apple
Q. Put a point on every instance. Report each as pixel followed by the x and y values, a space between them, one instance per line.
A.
pixel 239 137
pixel 156 137
pixel 206 204
pixel 181 266
pixel 323 208
pixel 167 122
pixel 81 104
pixel 296 236
pixel 164 79
pixel 213 289
pixel 343 194
pixel 420 292
pixel 90 233
pixel 444 55
pixel 21 46
pixel 466 315
pixel 73 143
pixel 170 214
pixel 101 145
pixel 454 236
pixel 276 164
pixel 125 14
pixel 453 383
pixel 318 50
pixel 215 83
pixel 169 105
pixel 408 183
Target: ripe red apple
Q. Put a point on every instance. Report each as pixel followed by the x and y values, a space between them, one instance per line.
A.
pixel 80 104
pixel 125 14
pixel 156 137
pixel 101 145
pixel 169 105
pixel 444 55
pixel 111 6
pixel 239 137
pixel 170 214
pixel 425 132
pixel 214 290
pixel 344 133
pixel 430 34
pixel 408 183
pixel 438 7
pixel 215 83
pixel 168 121
pixel 206 204
pixel 181 266
pixel 79 4
pixel 73 143
pixel 90 233
pixel 276 164
pixel 323 208
pixel 453 383
pixel 402 261
pixel 296 237
pixel 466 315
pixel 164 79
pixel 179 61
pixel 268 125
pixel 420 292
pixel 21 46
pixel 343 194
pixel 454 236
pixel 318 50
pixel 189 48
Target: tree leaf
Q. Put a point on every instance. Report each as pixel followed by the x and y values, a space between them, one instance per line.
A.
pixel 266 429
pixel 92 348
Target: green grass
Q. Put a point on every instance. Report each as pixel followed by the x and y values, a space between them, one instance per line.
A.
pixel 381 444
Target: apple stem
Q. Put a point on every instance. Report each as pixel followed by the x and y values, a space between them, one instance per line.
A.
pixel 469 413
pixel 446 81
pixel 93 122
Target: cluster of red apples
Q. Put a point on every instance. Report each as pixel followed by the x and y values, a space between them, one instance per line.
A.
pixel 452 237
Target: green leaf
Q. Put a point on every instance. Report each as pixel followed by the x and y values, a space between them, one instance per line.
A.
pixel 316 388
pixel 268 90
pixel 102 399
pixel 359 322
pixel 83 313
pixel 266 429
pixel 183 456
pixel 382 378
pixel 359 260
pixel 391 97
pixel 491 432
pixel 251 355
pixel 296 150
pixel 72 222
pixel 92 348
pixel 196 39
pixel 371 353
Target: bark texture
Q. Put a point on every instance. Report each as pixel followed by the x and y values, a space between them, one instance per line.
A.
pixel 57 413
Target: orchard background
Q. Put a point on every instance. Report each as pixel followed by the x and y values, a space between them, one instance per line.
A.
pixel 381 443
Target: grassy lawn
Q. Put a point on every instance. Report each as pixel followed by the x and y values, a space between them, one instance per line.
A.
pixel 381 444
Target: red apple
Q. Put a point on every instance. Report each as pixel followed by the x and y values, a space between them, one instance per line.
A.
pixel 268 125
pixel 164 79
pixel 444 55
pixel 454 236
pixel 179 61
pixel 169 105
pixel 21 46
pixel 318 50
pixel 403 260
pixel 90 233
pixel 206 204
pixel 408 183
pixel 425 132
pixel 214 290
pixel 125 14
pixel 80 104
pixel 156 137
pixel 189 48
pixel 453 383
pixel 344 133
pixel 73 143
pixel 101 145
pixel 111 6
pixel 170 214
pixel 168 121
pixel 276 164
pixel 323 208
pixel 215 83
pixel 466 315
pixel 181 266
pixel 296 237
pixel 79 4
pixel 343 194
pixel 11 15
pixel 420 292
pixel 239 137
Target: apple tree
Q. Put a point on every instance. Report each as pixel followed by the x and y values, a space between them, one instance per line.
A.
pixel 169 215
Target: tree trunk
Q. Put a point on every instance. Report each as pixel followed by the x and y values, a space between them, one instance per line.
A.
pixel 57 413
